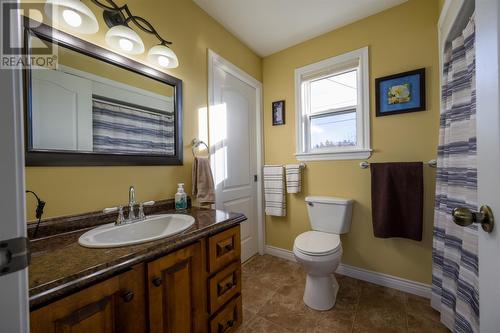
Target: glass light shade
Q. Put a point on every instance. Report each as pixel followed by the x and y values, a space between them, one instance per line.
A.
pixel 73 15
pixel 163 56
pixel 124 39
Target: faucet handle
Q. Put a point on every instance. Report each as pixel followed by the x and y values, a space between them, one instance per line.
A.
pixel 142 216
pixel 110 210
pixel 120 219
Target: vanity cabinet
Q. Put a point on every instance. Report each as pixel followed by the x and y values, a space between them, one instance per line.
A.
pixel 115 305
pixel 194 289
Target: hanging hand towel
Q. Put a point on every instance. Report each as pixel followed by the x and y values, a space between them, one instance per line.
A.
pixel 293 178
pixel 203 182
pixel 274 190
pixel 397 199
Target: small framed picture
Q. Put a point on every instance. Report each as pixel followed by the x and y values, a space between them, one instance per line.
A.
pixel 279 113
pixel 400 93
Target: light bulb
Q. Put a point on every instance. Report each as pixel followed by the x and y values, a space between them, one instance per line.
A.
pixel 163 61
pixel 72 18
pixel 125 44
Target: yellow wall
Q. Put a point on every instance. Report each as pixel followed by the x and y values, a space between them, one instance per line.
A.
pixel 441 4
pixel 400 39
pixel 71 190
pixel 100 68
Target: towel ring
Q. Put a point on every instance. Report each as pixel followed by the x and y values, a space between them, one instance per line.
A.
pixel 195 143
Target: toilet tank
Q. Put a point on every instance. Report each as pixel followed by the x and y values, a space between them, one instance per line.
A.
pixel 330 214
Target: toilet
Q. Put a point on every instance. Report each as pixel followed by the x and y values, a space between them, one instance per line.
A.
pixel 319 251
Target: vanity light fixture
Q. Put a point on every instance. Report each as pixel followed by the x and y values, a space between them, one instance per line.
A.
pixel 123 38
pixel 73 15
pixel 163 56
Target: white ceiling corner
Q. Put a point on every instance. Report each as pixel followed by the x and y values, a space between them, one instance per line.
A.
pixel 269 26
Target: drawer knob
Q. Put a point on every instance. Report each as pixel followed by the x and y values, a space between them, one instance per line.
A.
pixel 157 281
pixel 223 249
pixel 223 288
pixel 225 328
pixel 128 296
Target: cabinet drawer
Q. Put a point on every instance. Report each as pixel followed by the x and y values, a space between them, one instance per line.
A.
pixel 90 310
pixel 229 319
pixel 223 248
pixel 224 285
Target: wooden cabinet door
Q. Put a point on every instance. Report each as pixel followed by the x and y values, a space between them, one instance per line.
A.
pixel 175 285
pixel 115 305
pixel 132 304
pixel 90 310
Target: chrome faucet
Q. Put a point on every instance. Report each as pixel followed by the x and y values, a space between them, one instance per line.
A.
pixel 131 214
pixel 131 203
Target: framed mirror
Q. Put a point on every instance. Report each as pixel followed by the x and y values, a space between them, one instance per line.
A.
pixel 97 107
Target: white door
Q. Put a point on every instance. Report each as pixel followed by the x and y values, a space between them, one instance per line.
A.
pixel 488 157
pixel 234 100
pixel 61 111
pixel 13 286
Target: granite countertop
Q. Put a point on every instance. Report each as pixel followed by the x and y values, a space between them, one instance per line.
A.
pixel 60 266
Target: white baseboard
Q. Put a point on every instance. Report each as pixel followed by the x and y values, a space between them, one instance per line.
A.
pixel 381 279
pixel 280 253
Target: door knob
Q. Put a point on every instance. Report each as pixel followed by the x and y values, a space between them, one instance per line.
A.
pixel 464 217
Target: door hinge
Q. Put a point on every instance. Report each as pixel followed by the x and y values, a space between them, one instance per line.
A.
pixel 15 255
pixel 255 178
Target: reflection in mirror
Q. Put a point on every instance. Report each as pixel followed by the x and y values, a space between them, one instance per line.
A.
pixel 88 105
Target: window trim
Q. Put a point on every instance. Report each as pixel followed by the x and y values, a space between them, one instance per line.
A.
pixel 333 65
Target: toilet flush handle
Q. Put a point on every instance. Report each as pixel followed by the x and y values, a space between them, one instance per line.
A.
pixel 310 204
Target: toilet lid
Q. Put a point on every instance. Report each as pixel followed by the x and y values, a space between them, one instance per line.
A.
pixel 317 243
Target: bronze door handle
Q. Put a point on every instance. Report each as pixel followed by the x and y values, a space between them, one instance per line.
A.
pixel 463 217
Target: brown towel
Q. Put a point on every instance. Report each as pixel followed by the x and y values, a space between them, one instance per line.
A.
pixel 203 181
pixel 397 199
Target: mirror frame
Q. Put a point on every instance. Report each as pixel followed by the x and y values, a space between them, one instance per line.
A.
pixel 74 158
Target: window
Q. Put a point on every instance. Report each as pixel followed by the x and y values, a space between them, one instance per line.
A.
pixel 333 108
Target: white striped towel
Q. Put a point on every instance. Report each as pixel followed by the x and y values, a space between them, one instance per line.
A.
pixel 274 190
pixel 293 178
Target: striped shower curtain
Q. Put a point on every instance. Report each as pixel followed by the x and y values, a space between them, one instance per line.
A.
pixel 128 129
pixel 455 284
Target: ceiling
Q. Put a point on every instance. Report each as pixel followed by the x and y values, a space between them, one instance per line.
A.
pixel 269 26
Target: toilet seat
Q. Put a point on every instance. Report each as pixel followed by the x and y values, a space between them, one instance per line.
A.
pixel 317 243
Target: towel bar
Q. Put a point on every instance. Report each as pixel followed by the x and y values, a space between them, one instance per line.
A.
pixel 365 164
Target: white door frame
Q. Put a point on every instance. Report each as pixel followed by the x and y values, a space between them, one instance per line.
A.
pixel 488 139
pixel 214 58
pixel 14 309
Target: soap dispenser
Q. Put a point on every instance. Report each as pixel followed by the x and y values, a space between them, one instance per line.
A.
pixel 180 197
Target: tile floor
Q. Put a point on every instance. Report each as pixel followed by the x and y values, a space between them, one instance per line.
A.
pixel 272 303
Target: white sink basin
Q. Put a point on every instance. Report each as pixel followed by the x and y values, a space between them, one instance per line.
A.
pixel 154 227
